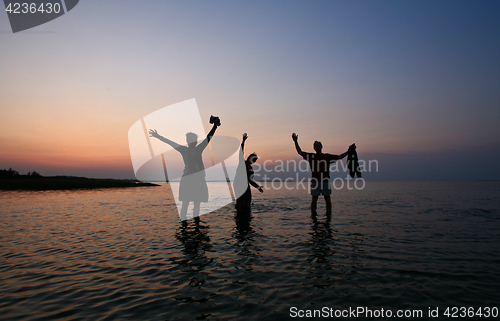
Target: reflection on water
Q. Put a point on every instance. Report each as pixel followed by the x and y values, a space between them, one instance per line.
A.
pixel 244 236
pixel 124 254
pixel 243 220
pixel 322 239
pixel 194 236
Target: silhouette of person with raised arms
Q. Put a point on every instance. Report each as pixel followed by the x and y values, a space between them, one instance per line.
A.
pixel 244 201
pixel 319 163
pixel 193 186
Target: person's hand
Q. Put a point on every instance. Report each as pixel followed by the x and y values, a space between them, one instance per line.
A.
pixel 261 189
pixel 295 137
pixel 352 147
pixel 245 136
pixel 153 133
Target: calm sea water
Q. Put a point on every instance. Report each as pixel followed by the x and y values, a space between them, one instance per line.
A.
pixel 124 254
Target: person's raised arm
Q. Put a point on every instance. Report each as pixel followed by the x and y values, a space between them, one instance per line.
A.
pixel 295 138
pixel 204 143
pixel 154 133
pixel 245 137
pixel 212 131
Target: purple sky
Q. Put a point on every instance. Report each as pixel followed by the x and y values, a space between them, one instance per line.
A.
pixel 413 83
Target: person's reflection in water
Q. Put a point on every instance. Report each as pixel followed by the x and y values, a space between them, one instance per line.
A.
pixel 243 220
pixel 333 252
pixel 321 239
pixel 194 235
pixel 193 186
pixel 244 236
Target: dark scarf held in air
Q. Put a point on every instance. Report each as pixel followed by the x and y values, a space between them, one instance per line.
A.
pixel 352 161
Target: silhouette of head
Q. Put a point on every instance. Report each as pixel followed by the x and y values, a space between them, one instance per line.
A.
pixel 252 158
pixel 317 146
pixel 191 139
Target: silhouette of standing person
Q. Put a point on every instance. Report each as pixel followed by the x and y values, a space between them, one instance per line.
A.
pixel 319 163
pixel 193 186
pixel 244 201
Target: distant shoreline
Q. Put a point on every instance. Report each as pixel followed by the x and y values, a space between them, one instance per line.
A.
pixel 44 183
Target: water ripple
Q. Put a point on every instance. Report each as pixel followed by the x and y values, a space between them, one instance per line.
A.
pixel 123 254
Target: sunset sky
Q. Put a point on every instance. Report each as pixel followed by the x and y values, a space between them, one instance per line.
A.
pixel 415 84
